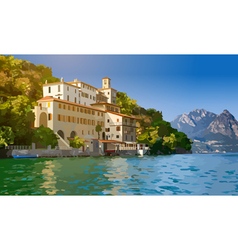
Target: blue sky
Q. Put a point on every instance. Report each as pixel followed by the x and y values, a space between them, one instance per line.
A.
pixel 173 84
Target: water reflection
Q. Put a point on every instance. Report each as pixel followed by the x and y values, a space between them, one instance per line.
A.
pixel 163 175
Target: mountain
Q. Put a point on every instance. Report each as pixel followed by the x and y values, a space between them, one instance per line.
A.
pixel 210 132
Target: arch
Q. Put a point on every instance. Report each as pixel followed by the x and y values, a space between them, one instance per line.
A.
pixel 43 119
pixel 73 134
pixel 61 133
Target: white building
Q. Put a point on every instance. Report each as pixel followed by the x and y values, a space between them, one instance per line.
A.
pixel 74 108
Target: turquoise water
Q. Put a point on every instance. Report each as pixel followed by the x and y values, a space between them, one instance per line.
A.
pixel 195 174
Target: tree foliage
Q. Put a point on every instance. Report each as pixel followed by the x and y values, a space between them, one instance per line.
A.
pixel 45 136
pixel 20 87
pixel 126 103
pixel 6 136
pixel 77 142
pixel 98 129
pixel 160 136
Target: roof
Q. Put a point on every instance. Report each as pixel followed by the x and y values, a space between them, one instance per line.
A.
pixel 57 83
pixel 50 98
pixel 110 141
pixel 105 103
pixel 73 82
pixel 101 89
pixel 123 115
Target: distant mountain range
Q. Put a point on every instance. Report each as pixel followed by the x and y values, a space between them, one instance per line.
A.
pixel 210 132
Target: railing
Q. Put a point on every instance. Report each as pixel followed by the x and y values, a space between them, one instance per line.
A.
pixel 122 124
pixel 19 147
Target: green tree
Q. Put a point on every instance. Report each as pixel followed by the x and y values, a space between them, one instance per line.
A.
pixel 16 113
pixel 45 136
pixel 126 103
pixel 77 142
pixel 6 136
pixel 98 129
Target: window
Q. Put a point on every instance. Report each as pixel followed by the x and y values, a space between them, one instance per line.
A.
pixel 93 122
pixel 73 108
pixel 126 137
pixel 58 88
pixel 98 113
pixel 108 93
pixel 75 91
pixel 67 88
pixel 78 120
pixel 108 120
pixel 101 114
pixel 59 105
pixel 88 132
pixel 81 110
pixel 68 118
pixel 49 117
pixel 64 107
pixel 67 97
pixel 81 120
pixel 94 98
pixel 59 118
pixel 93 112
pixel 90 96
pixel 75 99
pixel 58 97
pixel 82 132
pixel 107 129
pixel 117 136
pixel 118 128
pixel 48 104
pixel 102 124
pixel 93 132
pixel 68 107
pixel 49 89
pixel 117 120
pixel 132 138
pixel 77 109
pixel 89 111
pixel 89 122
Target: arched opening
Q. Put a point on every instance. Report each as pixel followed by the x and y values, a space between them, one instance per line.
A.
pixel 103 135
pixel 61 133
pixel 43 119
pixel 73 134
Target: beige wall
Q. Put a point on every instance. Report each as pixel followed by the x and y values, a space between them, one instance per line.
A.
pixel 73 119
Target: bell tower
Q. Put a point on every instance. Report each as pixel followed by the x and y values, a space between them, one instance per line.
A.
pixel 106 83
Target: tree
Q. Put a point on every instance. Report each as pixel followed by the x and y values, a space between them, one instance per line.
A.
pixel 45 136
pixel 77 142
pixel 126 103
pixel 98 129
pixel 6 136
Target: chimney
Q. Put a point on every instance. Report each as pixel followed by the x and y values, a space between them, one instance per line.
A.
pixel 62 79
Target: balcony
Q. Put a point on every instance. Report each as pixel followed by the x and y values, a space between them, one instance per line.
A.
pixel 122 124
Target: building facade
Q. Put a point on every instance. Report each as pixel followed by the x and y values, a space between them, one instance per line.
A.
pixel 73 108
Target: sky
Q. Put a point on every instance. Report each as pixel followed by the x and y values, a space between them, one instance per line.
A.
pixel 174 84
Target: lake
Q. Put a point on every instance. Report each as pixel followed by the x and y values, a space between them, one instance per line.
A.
pixel 191 174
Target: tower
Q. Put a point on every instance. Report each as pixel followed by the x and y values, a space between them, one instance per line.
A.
pixel 106 83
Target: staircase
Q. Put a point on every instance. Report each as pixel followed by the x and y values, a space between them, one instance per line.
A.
pixel 62 143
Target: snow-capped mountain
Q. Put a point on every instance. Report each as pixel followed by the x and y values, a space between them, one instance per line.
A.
pixel 210 132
